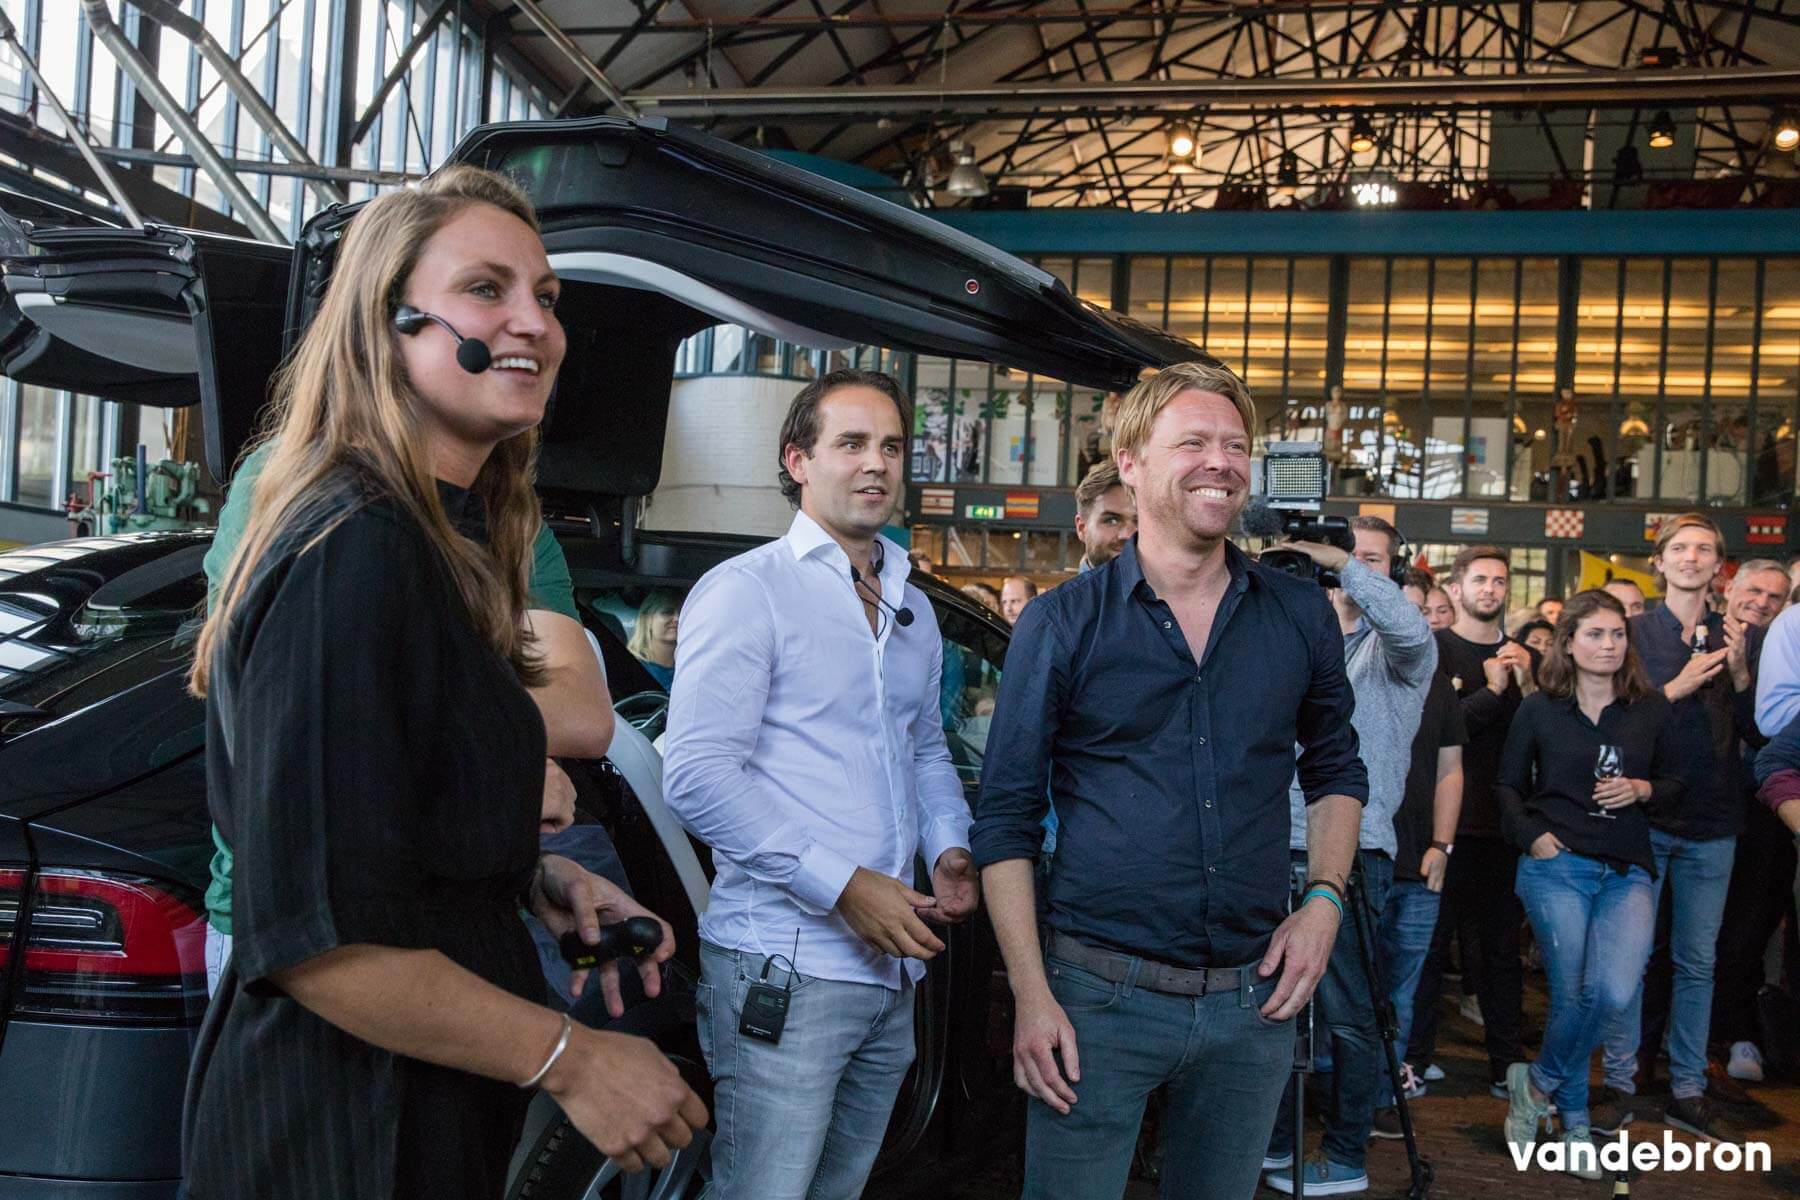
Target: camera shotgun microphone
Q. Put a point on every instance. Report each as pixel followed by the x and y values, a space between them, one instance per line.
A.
pixel 903 616
pixel 1261 520
pixel 472 354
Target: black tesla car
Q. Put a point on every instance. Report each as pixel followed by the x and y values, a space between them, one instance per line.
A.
pixel 657 233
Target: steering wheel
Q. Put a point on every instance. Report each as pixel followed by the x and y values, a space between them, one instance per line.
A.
pixel 644 711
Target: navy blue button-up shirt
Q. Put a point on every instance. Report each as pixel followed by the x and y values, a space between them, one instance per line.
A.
pixel 1704 727
pixel 1170 778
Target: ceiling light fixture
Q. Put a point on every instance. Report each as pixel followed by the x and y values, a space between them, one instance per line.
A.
pixel 1179 141
pixel 1287 176
pixel 966 179
pixel 1787 130
pixel 1362 135
pixel 1662 131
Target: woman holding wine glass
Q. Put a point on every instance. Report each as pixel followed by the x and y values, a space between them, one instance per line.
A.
pixel 1586 754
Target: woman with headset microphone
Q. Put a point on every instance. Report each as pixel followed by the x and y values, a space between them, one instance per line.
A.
pixel 373 757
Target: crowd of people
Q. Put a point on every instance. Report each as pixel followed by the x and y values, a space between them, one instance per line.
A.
pixel 1201 776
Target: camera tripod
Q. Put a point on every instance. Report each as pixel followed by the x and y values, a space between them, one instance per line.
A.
pixel 1361 916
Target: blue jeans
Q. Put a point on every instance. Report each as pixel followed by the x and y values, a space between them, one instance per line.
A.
pixel 1224 1065
pixel 1700 874
pixel 1406 924
pixel 802 1119
pixel 1593 926
pixel 1346 1008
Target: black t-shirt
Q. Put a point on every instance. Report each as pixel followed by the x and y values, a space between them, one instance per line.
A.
pixel 1486 716
pixel 377 770
pixel 1546 781
pixel 1440 725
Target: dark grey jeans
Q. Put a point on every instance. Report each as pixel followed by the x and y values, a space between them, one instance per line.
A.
pixel 1224 1066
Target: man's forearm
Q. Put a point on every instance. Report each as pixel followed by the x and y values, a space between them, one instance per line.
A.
pixel 1011 891
pixel 1446 806
pixel 1333 825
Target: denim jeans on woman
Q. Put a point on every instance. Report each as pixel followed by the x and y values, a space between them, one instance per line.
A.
pixel 1407 922
pixel 802 1119
pixel 1699 876
pixel 1223 1062
pixel 1593 924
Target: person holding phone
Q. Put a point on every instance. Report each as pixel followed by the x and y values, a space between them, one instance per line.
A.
pixel 1586 756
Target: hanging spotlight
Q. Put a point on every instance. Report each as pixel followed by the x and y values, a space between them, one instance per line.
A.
pixel 1362 135
pixel 1787 130
pixel 1179 141
pixel 966 179
pixel 1287 176
pixel 1662 131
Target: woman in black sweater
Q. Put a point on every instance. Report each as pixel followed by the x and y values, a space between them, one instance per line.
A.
pixel 1586 754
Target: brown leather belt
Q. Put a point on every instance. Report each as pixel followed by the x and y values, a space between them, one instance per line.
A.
pixel 1115 967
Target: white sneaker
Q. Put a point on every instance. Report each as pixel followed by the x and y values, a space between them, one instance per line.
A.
pixel 1433 1073
pixel 1470 1008
pixel 1581 1157
pixel 1746 1062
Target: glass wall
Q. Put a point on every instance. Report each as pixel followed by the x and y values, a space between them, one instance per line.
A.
pixel 1554 380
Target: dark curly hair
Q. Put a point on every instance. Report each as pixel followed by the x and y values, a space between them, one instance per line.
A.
pixel 801 426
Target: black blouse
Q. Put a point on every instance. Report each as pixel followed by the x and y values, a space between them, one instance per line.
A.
pixel 377 771
pixel 1546 779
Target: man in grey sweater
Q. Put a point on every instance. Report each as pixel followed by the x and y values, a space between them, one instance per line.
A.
pixel 1389 656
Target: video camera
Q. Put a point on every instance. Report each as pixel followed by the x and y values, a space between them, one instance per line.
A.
pixel 1295 478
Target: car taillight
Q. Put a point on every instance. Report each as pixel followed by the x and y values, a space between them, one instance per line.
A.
pixel 106 948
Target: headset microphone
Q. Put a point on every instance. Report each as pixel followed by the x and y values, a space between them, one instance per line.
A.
pixel 472 354
pixel 902 616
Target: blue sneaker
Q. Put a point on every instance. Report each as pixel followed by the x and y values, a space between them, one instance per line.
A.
pixel 1322 1177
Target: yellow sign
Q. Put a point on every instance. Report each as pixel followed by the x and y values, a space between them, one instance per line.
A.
pixel 1596 571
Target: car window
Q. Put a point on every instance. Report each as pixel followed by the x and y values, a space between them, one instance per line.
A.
pixel 639 628
pixel 973 656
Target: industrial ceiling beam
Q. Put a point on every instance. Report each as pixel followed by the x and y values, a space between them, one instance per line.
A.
pixel 399 70
pixel 78 136
pixel 1566 89
pixel 170 17
pixel 565 45
pixel 144 76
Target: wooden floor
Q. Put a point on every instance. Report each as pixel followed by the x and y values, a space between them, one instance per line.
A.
pixel 1459 1132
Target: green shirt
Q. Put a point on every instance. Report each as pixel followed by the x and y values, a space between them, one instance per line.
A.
pixel 550 589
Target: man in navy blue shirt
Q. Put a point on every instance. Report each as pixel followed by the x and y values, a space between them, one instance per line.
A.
pixel 1702 663
pixel 1159 700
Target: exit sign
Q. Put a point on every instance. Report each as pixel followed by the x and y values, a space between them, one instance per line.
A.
pixel 984 512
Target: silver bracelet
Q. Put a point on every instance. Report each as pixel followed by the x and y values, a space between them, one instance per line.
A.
pixel 562 1043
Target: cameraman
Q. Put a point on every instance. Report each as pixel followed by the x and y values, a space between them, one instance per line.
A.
pixel 1389 657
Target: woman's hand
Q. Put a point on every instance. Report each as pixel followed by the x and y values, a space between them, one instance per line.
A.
pixel 1617 793
pixel 625 1097
pixel 1547 845
pixel 566 895
pixel 558 812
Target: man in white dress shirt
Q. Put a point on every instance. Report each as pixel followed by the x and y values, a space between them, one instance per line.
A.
pixel 805 747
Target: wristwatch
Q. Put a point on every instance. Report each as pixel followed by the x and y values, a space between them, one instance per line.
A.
pixel 1446 847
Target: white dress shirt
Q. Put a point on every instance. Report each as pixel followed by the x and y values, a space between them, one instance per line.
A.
pixel 801 746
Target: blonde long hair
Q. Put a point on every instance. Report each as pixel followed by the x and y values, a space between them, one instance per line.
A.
pixel 344 399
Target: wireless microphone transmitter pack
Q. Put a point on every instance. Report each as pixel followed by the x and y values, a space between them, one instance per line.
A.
pixel 765 1012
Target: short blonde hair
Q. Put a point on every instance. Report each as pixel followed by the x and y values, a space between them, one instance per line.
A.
pixel 1139 409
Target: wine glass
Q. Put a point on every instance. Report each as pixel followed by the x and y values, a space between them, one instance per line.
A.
pixel 1609 763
